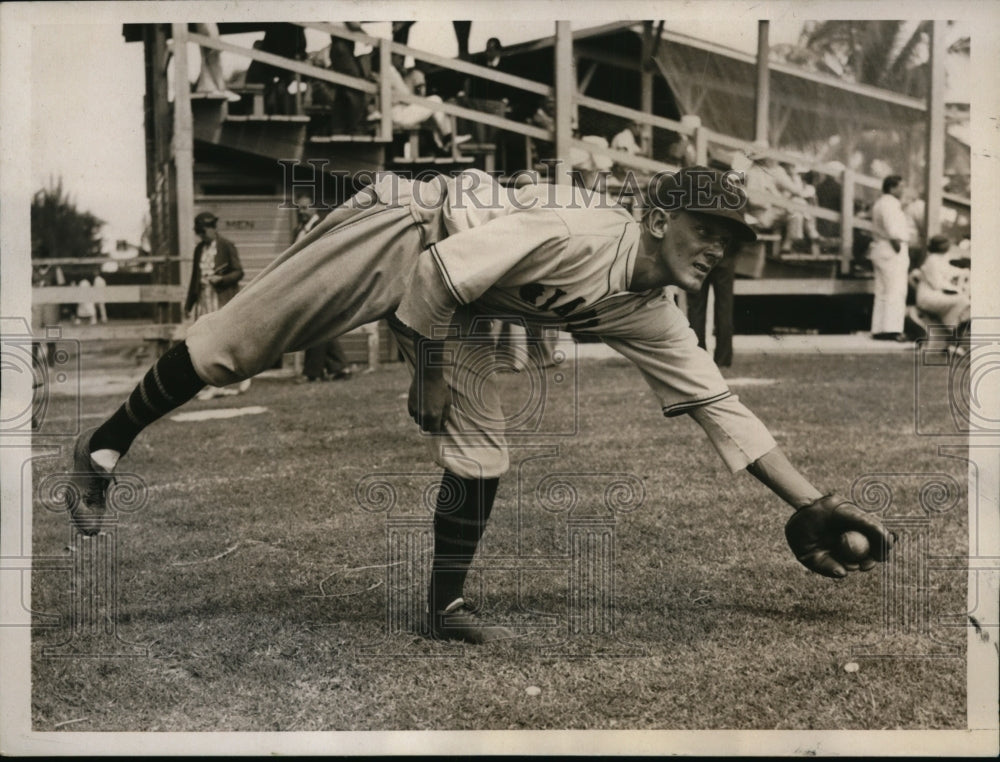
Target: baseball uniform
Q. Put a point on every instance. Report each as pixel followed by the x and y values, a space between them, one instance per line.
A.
pixel 435 255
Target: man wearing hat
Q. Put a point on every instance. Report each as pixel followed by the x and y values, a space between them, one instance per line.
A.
pixel 215 277
pixel 440 259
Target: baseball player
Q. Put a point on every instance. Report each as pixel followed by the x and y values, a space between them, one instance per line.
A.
pixel 434 256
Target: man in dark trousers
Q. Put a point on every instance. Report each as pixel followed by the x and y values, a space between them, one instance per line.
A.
pixel 720 280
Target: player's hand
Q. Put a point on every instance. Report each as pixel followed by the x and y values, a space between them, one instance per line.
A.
pixel 430 397
pixel 429 401
pixel 814 535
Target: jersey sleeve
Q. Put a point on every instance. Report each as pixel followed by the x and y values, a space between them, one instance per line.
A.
pixel 738 435
pixel 659 341
pixel 460 268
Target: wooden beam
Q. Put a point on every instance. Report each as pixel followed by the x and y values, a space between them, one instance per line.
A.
pixel 565 82
pixel 633 114
pixel 762 91
pixel 384 53
pixel 587 76
pixel 100 261
pixel 112 332
pixel 846 216
pixel 108 294
pixel 183 152
pixel 646 86
pixel 801 287
pixel 935 130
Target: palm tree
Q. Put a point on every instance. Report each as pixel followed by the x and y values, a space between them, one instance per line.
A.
pixel 59 229
pixel 888 54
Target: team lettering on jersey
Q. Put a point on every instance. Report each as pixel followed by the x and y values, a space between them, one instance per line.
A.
pixel 545 298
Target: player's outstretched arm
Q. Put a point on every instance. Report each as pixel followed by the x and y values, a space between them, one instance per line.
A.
pixel 816 530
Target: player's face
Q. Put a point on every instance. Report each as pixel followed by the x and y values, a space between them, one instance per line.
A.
pixel 691 246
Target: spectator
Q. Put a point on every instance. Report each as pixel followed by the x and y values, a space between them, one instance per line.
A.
pixel 85 310
pixel 287 41
pixel 45 316
pixel 628 140
pixel 412 116
pixel 889 254
pixel 942 288
pixel 493 50
pixel 720 279
pixel 210 78
pixel 215 278
pixel 345 105
pixel 681 152
pixel 593 167
pixel 102 313
pixel 765 177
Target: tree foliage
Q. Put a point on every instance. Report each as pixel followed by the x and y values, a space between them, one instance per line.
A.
pixel 59 229
pixel 888 54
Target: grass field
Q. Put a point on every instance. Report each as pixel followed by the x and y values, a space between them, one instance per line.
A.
pixel 258 585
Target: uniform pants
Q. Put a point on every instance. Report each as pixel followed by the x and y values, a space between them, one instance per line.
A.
pixel 350 270
pixel 891 272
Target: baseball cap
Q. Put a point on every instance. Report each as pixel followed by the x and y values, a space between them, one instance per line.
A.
pixel 205 220
pixel 703 190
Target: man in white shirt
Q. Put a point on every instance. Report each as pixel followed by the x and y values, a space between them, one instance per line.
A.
pixel 890 258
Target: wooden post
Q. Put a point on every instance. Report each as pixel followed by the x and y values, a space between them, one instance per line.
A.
pixel 935 130
pixel 565 90
pixel 847 222
pixel 385 90
pixel 298 94
pixel 700 138
pixel 762 93
pixel 183 153
pixel 646 87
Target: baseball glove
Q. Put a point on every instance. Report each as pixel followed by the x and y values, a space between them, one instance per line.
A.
pixel 813 533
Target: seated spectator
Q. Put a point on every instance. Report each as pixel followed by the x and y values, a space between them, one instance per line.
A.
pixel 343 107
pixel 628 140
pixel 942 288
pixel 593 167
pixel 412 116
pixel 766 177
pixel 492 52
pixel 681 151
pixel 210 78
pixel 288 41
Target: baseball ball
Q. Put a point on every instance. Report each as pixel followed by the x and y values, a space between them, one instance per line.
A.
pixel 853 549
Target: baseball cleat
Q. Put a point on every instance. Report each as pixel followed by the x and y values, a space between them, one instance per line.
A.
pixel 87 496
pixel 459 622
